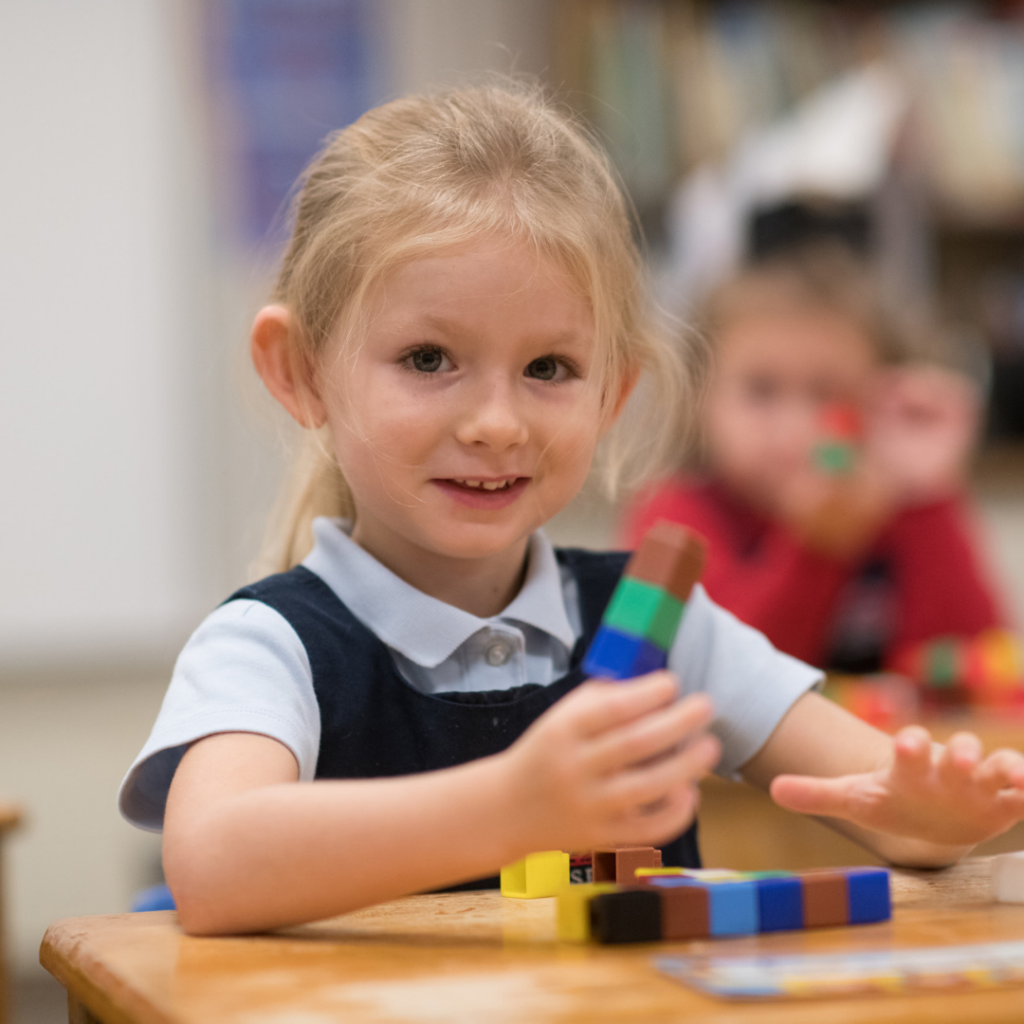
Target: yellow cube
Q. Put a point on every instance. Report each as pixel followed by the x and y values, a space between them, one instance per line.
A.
pixel 573 916
pixel 536 875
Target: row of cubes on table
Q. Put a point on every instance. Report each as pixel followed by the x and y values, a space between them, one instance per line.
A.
pixel 677 904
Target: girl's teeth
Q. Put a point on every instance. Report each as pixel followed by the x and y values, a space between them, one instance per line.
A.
pixel 486 485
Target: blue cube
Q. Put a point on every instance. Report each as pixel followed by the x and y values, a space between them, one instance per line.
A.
pixel 615 655
pixel 869 895
pixel 780 902
pixel 732 908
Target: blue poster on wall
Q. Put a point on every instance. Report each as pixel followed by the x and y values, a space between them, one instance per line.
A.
pixel 287 73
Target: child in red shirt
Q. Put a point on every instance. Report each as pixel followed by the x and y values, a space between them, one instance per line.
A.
pixel 846 570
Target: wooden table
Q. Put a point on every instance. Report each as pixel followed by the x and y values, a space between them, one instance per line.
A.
pixel 475 957
pixel 10 818
pixel 741 828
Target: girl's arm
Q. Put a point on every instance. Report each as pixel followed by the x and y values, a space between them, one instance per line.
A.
pixel 912 802
pixel 247 848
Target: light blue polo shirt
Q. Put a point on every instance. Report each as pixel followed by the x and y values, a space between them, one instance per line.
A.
pixel 245 669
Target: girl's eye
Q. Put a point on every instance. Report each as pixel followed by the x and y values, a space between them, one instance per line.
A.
pixel 547 368
pixel 429 360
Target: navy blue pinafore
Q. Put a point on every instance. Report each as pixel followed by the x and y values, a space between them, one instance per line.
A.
pixel 374 724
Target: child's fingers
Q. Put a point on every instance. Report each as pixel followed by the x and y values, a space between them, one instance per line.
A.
pixel 1002 769
pixel 912 749
pixel 648 737
pixel 1011 804
pixel 661 822
pixel 960 758
pixel 600 705
pixel 808 794
pixel 645 785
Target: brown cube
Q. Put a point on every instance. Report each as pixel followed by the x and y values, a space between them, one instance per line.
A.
pixel 618 864
pixel 826 899
pixel 684 912
pixel 670 556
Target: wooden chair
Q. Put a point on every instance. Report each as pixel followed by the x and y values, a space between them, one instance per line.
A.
pixel 10 818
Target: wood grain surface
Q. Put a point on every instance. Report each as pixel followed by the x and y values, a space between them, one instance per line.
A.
pixel 476 957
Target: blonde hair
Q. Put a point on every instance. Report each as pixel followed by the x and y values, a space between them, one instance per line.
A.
pixel 429 173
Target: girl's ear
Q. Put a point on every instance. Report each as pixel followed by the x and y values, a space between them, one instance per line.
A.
pixel 281 367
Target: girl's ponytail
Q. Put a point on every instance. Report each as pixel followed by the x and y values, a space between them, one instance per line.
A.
pixel 314 487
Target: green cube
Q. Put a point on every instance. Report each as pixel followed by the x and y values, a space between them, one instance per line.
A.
pixel 834 458
pixel 644 610
pixel 941 668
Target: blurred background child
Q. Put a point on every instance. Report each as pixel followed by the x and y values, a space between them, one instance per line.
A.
pixel 831 479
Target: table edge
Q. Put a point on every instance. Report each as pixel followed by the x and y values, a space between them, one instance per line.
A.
pixel 82 980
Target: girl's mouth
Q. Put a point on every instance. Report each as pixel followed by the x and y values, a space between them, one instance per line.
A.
pixel 476 492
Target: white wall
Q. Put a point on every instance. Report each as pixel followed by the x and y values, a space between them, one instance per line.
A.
pixel 101 529
pixel 137 458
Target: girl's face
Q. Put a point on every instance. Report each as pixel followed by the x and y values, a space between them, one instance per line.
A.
pixel 774 373
pixel 466 417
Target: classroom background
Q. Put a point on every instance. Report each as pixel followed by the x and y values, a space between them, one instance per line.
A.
pixel 148 151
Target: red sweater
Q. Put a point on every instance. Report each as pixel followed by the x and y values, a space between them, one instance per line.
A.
pixel 757 569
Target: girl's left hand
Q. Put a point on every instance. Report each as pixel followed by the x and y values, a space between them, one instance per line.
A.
pixel 951 795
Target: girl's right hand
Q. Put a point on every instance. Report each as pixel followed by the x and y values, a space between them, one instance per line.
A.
pixel 612 763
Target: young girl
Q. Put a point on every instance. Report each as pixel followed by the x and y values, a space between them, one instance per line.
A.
pixel 848 570
pixel 458 322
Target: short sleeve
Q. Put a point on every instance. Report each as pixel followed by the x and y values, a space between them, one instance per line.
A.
pixel 243 670
pixel 751 683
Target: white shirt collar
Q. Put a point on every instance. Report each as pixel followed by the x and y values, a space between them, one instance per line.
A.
pixel 422 628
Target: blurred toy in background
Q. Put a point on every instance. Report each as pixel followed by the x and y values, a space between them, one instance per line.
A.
pixel 886 701
pixel 841 430
pixel 985 670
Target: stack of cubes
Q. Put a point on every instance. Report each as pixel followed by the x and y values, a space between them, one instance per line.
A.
pixel 643 616
pixel 987 668
pixel 703 904
pixel 840 431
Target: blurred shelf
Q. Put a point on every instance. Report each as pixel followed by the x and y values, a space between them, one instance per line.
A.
pixel 10 816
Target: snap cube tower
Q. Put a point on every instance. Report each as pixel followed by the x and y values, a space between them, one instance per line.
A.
pixel 635 635
pixel 840 431
pixel 987 668
pixel 643 616
pixel 677 904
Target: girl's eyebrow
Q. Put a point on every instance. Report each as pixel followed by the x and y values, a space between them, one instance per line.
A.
pixel 456 328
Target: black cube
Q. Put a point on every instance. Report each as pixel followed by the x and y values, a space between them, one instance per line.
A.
pixel 630 915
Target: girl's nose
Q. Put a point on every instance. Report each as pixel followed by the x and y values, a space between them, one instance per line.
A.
pixel 797 425
pixel 492 418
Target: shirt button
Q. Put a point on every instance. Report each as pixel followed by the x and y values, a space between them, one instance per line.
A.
pixel 498 653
